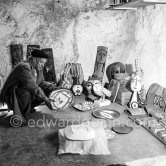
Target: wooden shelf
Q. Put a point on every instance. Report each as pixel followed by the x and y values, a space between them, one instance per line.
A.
pixel 134 4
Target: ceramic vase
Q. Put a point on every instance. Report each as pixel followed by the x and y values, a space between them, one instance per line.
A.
pixel 77 87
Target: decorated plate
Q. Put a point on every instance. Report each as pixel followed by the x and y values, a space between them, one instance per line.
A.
pixel 62 98
pixel 122 129
pixel 84 106
pixel 106 114
pixel 109 134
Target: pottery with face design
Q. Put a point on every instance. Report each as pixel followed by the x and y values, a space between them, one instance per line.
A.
pixel 136 84
pixel 77 87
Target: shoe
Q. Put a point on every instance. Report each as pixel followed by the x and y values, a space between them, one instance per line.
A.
pixel 3 114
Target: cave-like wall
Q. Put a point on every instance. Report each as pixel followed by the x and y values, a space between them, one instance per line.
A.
pixel 150 43
pixel 74 29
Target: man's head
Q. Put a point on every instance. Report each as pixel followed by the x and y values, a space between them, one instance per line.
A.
pixel 39 58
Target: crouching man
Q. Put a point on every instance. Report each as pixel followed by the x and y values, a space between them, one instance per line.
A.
pixel 21 91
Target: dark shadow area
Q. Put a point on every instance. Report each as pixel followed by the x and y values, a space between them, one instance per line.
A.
pixel 5 122
pixel 52 138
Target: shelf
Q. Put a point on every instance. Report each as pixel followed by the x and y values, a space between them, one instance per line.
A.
pixel 134 4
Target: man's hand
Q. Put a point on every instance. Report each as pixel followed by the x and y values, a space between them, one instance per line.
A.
pixel 48 103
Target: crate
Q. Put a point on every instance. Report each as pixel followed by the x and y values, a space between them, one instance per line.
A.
pixel 123 96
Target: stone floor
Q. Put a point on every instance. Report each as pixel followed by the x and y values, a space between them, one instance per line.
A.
pixel 37 144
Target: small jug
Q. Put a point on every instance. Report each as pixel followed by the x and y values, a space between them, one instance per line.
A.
pixel 77 87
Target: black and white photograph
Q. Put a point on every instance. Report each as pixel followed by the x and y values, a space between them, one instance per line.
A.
pixel 82 82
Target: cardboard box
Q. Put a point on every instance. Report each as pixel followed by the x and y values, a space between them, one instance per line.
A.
pixel 123 96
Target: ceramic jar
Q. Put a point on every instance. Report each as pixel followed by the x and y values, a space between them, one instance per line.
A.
pixel 77 87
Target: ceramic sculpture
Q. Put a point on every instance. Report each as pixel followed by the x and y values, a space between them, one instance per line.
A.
pixel 100 62
pixel 113 86
pixel 77 87
pixel 112 69
pixel 66 80
pixel 77 75
pixel 16 54
pixel 69 76
pixel 90 95
pixel 50 65
pixel 142 93
pixel 136 88
pixel 102 92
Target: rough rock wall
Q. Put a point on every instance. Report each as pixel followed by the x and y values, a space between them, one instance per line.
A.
pixel 113 29
pixel 129 35
pixel 150 43
pixel 48 23
pixel 74 29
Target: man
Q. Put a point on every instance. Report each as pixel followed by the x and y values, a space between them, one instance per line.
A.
pixel 22 91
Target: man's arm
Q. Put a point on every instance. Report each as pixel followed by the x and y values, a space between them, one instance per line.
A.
pixel 26 79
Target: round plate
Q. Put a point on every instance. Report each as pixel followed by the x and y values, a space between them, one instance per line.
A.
pixel 122 129
pixel 106 114
pixel 84 106
pixel 109 134
pixel 63 98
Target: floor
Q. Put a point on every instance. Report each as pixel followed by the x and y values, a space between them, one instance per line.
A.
pixel 37 144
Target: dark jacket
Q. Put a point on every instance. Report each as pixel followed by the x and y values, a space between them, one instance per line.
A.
pixel 22 76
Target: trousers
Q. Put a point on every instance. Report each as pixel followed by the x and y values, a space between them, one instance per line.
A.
pixel 22 102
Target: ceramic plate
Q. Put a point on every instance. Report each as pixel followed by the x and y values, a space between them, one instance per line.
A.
pixel 84 106
pixel 106 114
pixel 109 134
pixel 63 98
pixel 122 129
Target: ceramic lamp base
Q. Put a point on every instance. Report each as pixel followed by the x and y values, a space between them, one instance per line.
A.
pixel 102 103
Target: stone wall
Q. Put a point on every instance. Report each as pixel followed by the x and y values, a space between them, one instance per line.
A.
pixel 74 29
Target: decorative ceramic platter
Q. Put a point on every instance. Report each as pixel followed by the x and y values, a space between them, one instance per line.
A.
pixel 63 98
pixel 122 129
pixel 106 114
pixel 84 106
